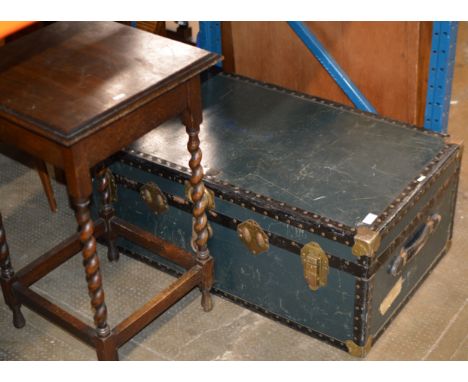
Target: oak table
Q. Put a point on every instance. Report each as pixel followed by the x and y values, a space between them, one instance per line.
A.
pixel 72 94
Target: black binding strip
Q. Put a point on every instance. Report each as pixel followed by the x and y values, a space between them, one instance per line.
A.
pixel 357 270
pixel 418 220
pixel 226 221
pixel 361 310
pixel 255 308
pixel 294 216
pixel 264 205
pixel 415 190
pixel 331 104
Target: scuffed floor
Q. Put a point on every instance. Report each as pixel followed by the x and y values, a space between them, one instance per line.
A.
pixel 432 326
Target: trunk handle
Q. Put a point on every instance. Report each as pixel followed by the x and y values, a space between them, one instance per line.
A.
pixel 415 244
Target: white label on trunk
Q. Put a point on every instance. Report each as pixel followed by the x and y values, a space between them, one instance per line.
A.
pixel 421 178
pixel 369 219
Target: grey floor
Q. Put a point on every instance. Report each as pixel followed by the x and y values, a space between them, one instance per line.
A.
pixel 433 326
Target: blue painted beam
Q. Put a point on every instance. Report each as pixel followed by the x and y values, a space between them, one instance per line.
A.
pixel 439 87
pixel 209 37
pixel 331 66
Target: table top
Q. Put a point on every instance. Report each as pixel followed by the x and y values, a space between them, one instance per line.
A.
pixel 67 79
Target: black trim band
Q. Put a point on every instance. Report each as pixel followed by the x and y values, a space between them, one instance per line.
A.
pixel 277 240
pixel 357 270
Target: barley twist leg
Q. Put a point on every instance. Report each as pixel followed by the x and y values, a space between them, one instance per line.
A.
pixel 91 264
pixel 107 212
pixel 7 276
pixel 199 199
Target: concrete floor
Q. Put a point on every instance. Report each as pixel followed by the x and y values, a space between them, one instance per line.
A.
pixel 433 326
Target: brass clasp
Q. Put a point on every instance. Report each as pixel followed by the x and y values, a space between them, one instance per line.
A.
pixel 154 198
pixel 253 236
pixel 315 264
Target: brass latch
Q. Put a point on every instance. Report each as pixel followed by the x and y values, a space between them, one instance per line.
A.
pixel 253 236
pixel 315 264
pixel 209 194
pixel 112 186
pixel 154 198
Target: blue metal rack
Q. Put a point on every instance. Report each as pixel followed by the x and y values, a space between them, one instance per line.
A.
pixel 209 37
pixel 439 86
pixel 444 37
pixel 331 66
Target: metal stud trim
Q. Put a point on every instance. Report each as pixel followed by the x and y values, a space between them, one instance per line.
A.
pixel 363 269
pixel 334 105
pixel 259 203
pixel 226 221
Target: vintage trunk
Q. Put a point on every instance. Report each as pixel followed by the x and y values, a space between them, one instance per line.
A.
pixel 323 217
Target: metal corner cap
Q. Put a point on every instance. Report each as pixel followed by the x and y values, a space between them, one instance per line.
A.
pixel 359 351
pixel 450 140
pixel 366 242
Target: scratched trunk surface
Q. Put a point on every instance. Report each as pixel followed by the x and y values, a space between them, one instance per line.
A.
pixel 265 147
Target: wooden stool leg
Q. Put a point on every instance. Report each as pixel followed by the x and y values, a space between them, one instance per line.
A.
pixel 106 349
pixel 107 212
pixel 7 276
pixel 200 200
pixel 91 264
pixel 46 183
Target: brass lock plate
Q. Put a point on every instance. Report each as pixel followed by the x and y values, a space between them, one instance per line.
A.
pixel 315 264
pixel 112 186
pixel 154 198
pixel 209 194
pixel 253 236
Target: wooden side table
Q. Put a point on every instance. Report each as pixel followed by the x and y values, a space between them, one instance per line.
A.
pixel 72 94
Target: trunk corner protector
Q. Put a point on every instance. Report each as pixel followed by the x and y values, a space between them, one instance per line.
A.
pixel 366 242
pixel 359 351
